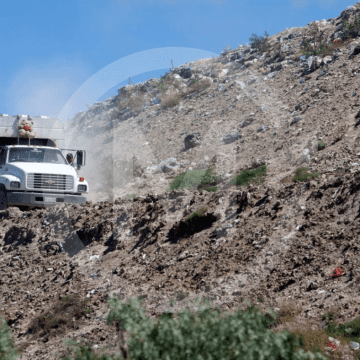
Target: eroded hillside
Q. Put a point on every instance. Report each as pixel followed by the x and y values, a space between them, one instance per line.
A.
pixel 274 240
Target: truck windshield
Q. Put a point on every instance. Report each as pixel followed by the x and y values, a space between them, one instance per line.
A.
pixel 37 155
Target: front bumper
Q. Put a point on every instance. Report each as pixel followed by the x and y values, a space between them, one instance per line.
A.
pixel 42 199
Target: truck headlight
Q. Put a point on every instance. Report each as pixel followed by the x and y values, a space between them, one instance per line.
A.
pixel 82 188
pixel 15 184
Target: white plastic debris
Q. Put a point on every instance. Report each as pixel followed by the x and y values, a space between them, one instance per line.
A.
pixel 94 257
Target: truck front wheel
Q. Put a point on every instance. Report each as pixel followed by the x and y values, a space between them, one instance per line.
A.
pixel 3 202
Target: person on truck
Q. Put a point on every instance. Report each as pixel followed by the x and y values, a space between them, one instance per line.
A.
pixel 70 159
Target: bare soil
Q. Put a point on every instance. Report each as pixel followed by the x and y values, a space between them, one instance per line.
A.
pixel 279 241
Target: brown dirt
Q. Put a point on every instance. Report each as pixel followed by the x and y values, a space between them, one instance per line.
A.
pixel 277 241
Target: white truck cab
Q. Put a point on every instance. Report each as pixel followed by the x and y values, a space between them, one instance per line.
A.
pixel 34 172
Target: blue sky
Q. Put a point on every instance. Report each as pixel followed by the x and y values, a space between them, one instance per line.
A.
pixel 54 50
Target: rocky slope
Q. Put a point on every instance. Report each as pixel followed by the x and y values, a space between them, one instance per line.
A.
pixel 275 241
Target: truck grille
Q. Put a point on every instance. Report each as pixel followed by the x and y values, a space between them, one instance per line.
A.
pixel 50 181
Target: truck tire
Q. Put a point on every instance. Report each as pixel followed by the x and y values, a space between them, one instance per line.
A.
pixel 3 201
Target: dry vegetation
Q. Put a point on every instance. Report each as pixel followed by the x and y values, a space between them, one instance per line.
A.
pixel 61 317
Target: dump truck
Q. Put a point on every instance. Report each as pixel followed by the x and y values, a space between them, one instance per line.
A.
pixel 34 170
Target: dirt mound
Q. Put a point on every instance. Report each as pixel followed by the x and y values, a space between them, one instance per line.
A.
pixel 272 239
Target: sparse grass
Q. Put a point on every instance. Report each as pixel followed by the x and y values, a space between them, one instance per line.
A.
pixel 135 101
pixel 170 100
pixel 83 351
pixel 302 174
pixel 132 196
pixel 325 50
pixel 197 86
pixel 316 340
pixel 187 180
pixel 163 84
pixel 60 316
pixel 321 145
pixel 227 49
pixel 210 188
pixel 195 215
pixel 255 176
pixel 330 316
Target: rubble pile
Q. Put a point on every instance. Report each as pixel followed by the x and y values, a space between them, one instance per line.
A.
pixel 276 240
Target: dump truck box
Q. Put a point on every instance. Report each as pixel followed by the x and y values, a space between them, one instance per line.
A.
pixel 48 130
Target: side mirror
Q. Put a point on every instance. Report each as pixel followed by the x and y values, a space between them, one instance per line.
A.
pixel 80 157
pixel 78 167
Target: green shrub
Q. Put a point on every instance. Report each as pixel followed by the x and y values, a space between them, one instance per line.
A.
pixel 7 348
pixel 196 179
pixel 187 180
pixel 302 174
pixel 132 196
pixel 209 180
pixel 318 46
pixel 308 50
pixel 247 176
pixel 321 145
pixel 259 42
pixel 204 335
pixel 351 30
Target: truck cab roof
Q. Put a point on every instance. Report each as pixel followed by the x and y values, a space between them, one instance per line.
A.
pixel 29 146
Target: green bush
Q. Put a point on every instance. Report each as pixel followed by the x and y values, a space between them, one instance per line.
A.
pixel 309 51
pixel 187 180
pixel 318 46
pixel 303 175
pixel 247 176
pixel 7 348
pixel 196 179
pixel 351 30
pixel 321 145
pixel 204 335
pixel 209 180
pixel 259 42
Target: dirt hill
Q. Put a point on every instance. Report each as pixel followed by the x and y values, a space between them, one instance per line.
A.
pixel 275 239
